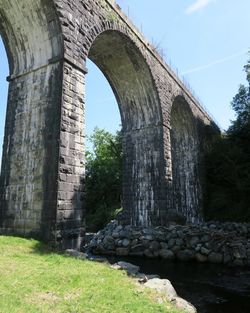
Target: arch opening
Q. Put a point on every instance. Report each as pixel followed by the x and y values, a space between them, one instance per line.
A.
pixel 129 76
pixel 103 177
pixel 4 72
pixel 185 162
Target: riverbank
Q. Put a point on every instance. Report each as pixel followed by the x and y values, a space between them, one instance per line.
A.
pixel 36 279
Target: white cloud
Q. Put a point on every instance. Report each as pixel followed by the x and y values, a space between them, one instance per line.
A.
pixel 198 5
pixel 211 64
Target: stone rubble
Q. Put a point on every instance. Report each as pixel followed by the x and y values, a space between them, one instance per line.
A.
pixel 222 243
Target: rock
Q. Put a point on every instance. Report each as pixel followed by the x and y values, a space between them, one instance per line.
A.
pixel 239 252
pixel 179 242
pixel 136 234
pixel 125 242
pixel 137 248
pixel 126 234
pixel 154 245
pixel 98 259
pixel 164 246
pixel 108 239
pixel 152 276
pixel 162 285
pixel 148 231
pixel 193 241
pixel 166 254
pixel 131 269
pixel 176 249
pixel 145 243
pixel 143 278
pixel 184 305
pixel 200 257
pixel 139 253
pixel 76 254
pixel 238 262
pixel 215 257
pixel 148 253
pixel 205 238
pixel 205 251
pixel 122 251
pixel 118 228
pixel 147 237
pixel 171 243
pixel 227 258
pixel 185 255
pixel 115 235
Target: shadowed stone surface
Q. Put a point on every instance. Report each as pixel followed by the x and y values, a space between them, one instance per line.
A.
pixel 165 130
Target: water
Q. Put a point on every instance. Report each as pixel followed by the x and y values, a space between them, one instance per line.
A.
pixel 210 288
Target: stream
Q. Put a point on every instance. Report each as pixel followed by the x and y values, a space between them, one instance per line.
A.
pixel 210 288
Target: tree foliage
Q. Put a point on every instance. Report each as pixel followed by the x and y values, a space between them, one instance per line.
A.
pixel 228 164
pixel 103 178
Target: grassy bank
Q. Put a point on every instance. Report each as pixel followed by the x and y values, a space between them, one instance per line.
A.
pixel 34 279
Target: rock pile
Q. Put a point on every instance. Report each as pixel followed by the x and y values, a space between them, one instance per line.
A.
pixel 227 243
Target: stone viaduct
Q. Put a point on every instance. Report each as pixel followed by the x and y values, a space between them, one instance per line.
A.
pixel 165 130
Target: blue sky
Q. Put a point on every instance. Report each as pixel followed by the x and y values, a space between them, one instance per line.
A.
pixel 207 40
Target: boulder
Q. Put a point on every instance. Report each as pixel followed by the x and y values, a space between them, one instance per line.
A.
pixel 200 257
pixel 76 254
pixel 184 305
pixel 122 251
pixel 185 255
pixel 166 254
pixel 131 269
pixel 215 257
pixel 163 286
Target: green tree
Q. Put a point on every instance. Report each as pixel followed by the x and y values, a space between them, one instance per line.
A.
pixel 228 164
pixel 103 178
pixel 241 104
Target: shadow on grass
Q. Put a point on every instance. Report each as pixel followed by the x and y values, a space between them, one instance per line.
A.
pixel 38 247
pixel 42 248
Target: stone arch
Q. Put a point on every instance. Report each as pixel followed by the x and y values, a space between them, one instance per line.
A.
pixel 32 36
pixel 186 185
pixel 117 55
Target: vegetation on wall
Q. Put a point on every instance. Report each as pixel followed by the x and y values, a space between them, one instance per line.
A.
pixel 103 178
pixel 228 164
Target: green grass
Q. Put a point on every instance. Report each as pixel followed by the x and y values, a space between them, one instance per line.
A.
pixel 34 279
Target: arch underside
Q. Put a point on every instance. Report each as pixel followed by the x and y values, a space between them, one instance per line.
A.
pixel 186 186
pixel 131 80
